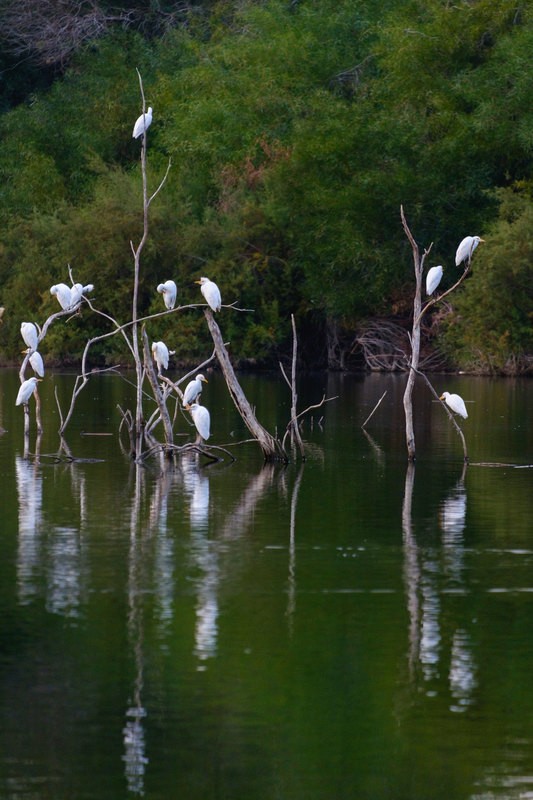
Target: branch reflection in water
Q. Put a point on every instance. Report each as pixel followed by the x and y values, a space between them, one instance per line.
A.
pixel 134 756
pixel 423 576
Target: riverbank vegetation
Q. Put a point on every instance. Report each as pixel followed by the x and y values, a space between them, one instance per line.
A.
pixel 295 131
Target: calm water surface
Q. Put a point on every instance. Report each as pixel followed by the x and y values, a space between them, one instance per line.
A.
pixel 343 628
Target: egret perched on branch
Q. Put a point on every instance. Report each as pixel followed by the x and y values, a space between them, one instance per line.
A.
pixel 193 390
pixel 466 249
pixel 63 294
pixel 160 354
pixel 169 290
pixel 29 333
pixel 36 361
pixel 211 292
pixel 77 292
pixel 142 124
pixel 26 390
pixel 433 278
pixel 202 420
pixel 456 403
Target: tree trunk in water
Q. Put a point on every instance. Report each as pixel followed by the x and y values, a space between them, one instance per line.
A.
pixel 270 446
pixel 415 343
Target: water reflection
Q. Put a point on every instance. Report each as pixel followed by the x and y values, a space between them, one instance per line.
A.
pixel 423 574
pixel 49 553
pixel 133 732
pixel 30 504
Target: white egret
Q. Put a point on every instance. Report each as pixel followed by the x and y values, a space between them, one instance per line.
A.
pixel 433 278
pixel 169 290
pixel 466 249
pixel 201 419
pixel 77 292
pixel 26 390
pixel 456 403
pixel 211 292
pixel 2 309
pixel 142 124
pixel 160 354
pixel 36 361
pixel 29 333
pixel 63 294
pixel 193 390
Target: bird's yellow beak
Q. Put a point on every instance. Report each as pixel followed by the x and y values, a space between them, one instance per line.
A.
pixel 441 397
pixel 25 351
pixel 482 240
pixel 197 281
pixel 205 380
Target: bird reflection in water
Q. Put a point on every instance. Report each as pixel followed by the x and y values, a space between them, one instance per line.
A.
pixel 205 558
pixel 424 569
pixel 29 546
pixel 49 557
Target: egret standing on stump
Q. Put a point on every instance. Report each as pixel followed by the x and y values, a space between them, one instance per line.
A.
pixel 160 354
pixel 433 278
pixel 28 332
pixel 142 124
pixel 202 420
pixel 211 292
pixel 466 249
pixel 456 403
pixel 26 390
pixel 169 290
pixel 193 390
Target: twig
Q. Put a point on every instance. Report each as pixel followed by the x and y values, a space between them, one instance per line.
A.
pixel 374 409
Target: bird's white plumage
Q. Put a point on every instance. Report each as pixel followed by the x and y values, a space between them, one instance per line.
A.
pixel 77 292
pixel 26 390
pixel 160 354
pixel 193 390
pixel 142 124
pixel 29 334
pixel 211 292
pixel 466 249
pixel 63 294
pixel 456 403
pixel 37 364
pixel 433 278
pixel 201 419
pixel 169 290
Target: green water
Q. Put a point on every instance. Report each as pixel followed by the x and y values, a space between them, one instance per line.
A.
pixel 343 628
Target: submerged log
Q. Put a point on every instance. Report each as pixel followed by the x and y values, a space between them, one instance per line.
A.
pixel 271 447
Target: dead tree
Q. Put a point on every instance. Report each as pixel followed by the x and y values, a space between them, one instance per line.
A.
pixel 418 261
pixel 271 447
pixel 414 361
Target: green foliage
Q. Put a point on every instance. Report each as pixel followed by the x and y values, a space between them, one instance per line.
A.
pixel 491 324
pixel 295 132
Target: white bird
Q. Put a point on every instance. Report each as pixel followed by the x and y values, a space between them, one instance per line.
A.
pixel 26 390
pixel 142 124
pixel 466 249
pixel 63 294
pixel 160 354
pixel 456 403
pixel 433 278
pixel 29 333
pixel 193 390
pixel 211 292
pixel 169 290
pixel 36 361
pixel 77 291
pixel 201 419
